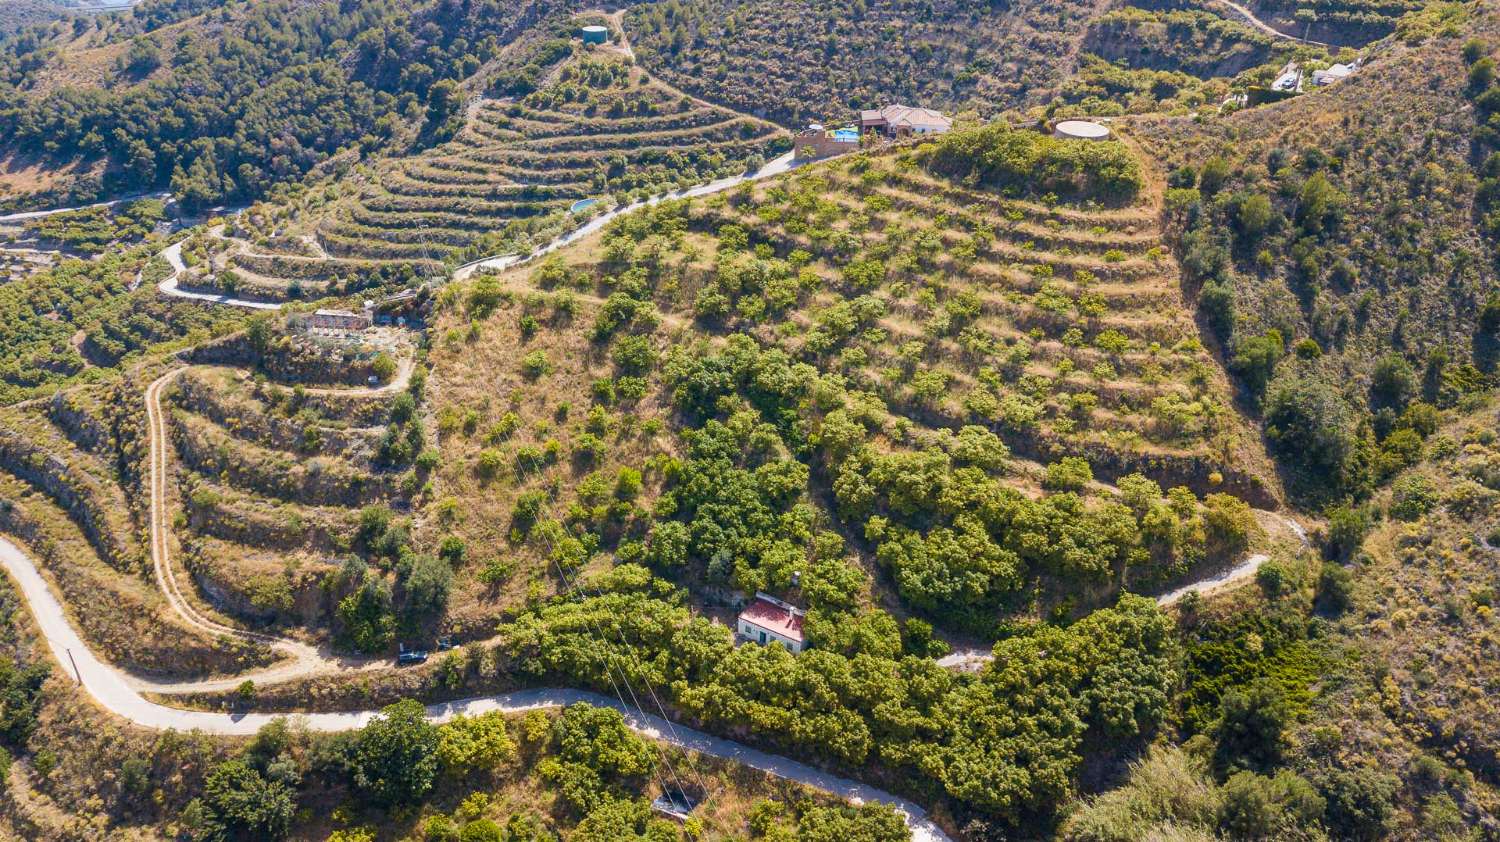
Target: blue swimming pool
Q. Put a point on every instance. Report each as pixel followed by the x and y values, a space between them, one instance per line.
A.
pixel 582 204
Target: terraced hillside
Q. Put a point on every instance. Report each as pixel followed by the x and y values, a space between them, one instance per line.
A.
pixel 63 492
pixel 600 129
pixel 283 494
pixel 873 336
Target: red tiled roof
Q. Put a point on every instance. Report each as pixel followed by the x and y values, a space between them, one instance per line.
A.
pixel 772 617
pixel 906 115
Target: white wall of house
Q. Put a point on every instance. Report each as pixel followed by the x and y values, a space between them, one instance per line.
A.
pixel 756 634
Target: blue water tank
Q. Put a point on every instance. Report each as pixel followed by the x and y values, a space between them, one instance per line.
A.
pixel 595 34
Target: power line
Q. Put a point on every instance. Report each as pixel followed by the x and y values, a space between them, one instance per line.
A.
pixel 577 587
pixel 599 636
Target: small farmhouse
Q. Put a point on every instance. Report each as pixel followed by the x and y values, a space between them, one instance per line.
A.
pixel 898 121
pixel 338 320
pixel 769 620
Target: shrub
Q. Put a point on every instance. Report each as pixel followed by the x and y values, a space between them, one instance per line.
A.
pixel 1315 430
pixel 1229 523
pixel 1335 588
pixel 1213 175
pixel 426 588
pixel 1071 473
pixel 1251 727
pixel 467 744
pixel 1347 526
pixel 490 463
pixel 1274 579
pixel 484 296
pixel 534 364
pixel 238 803
pixel 1412 497
pixel 1393 382
pixel 365 620
pixel 452 550
pixel 394 759
pixel 481 830
pixel 1359 803
pixel 528 508
pixel 384 367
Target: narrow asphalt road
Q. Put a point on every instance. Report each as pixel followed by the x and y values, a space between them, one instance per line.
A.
pixel 173 255
pixel 113 691
pixel 39 214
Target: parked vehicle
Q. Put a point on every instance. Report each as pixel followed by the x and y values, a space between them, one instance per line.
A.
pixel 405 656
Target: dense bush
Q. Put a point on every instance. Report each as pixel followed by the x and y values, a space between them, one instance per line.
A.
pixel 1312 426
pixel 240 804
pixel 1030 163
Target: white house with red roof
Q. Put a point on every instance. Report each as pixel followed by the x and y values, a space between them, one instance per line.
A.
pixel 767 619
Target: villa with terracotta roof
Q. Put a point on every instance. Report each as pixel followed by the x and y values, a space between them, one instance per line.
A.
pixel 767 619
pixel 904 121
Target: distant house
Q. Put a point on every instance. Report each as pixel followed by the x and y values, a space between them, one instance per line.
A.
pixel 767 619
pixel 904 121
pixel 338 320
pixel 818 142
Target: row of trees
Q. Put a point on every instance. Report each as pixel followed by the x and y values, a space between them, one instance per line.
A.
pixel 600 772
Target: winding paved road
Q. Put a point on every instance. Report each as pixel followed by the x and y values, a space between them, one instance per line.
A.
pixel 25 215
pixel 113 690
pixel 173 255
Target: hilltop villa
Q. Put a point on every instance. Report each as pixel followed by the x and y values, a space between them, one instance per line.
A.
pixel 897 121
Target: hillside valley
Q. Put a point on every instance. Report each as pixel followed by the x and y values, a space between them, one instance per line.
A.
pixel 506 421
